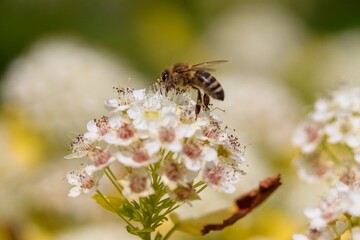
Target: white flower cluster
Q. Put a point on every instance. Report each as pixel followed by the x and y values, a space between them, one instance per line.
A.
pixel 145 129
pixel 329 144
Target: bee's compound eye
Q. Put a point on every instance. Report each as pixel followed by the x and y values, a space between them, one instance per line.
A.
pixel 165 75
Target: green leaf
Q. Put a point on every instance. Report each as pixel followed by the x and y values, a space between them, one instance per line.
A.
pixel 194 226
pixel 158 236
pixel 134 231
pixel 112 204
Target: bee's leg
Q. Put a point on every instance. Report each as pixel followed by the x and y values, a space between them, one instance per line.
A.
pixel 206 101
pixel 199 103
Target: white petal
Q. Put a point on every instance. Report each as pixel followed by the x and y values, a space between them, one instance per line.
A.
pixel 140 124
pixel 309 148
pixel 354 208
pixel 111 104
pixel 175 147
pixel 90 169
pixel 299 237
pixel 73 178
pixel 193 165
pixel 228 188
pixel 312 212
pixel 74 192
pixel 127 160
pixel 139 94
pixel 152 146
pixel 91 135
pixel 222 137
pixel 318 223
pixel 110 138
pixel 209 155
pixel 152 126
pixel 355 233
pixel 123 107
pixel 91 126
pixel 353 141
pixel 185 131
pixel 202 121
pixel 170 120
pixel 357 157
pixel 115 121
pixel 134 113
pixel 143 134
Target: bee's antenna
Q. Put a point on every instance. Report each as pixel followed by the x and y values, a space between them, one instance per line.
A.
pixel 217 108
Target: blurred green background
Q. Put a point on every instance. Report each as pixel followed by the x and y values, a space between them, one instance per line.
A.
pixel 59 60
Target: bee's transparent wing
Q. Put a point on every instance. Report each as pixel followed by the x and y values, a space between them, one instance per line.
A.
pixel 207 66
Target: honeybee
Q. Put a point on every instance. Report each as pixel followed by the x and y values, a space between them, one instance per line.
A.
pixel 181 76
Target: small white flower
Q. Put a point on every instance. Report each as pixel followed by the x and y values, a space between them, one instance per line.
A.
pixel 140 155
pixel 174 174
pixel 137 185
pixel 222 176
pixel 169 131
pixel 315 215
pixel 325 109
pixel 312 167
pixel 146 112
pixel 100 159
pixel 81 146
pixel 83 182
pixel 345 129
pixel 97 128
pixel 126 97
pixel 194 155
pixel 212 131
pixel 307 136
pixel 122 132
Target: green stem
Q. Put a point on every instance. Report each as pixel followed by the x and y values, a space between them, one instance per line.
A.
pixel 170 232
pixel 201 189
pixel 112 207
pixel 329 151
pixel 147 236
pixel 112 178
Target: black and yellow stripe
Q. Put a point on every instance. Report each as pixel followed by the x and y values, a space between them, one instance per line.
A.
pixel 210 85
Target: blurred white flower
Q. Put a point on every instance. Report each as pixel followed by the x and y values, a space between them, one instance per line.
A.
pixel 299 237
pixel 254 36
pixel 313 167
pixel 334 159
pixel 344 129
pixel 47 83
pixel 307 136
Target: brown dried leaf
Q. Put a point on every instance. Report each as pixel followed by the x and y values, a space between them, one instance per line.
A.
pixel 220 219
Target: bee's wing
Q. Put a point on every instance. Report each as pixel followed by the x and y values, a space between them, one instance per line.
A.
pixel 207 65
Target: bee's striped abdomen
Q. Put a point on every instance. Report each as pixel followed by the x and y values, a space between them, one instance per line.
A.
pixel 209 84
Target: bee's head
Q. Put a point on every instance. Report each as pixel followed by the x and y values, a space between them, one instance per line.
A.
pixel 165 75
